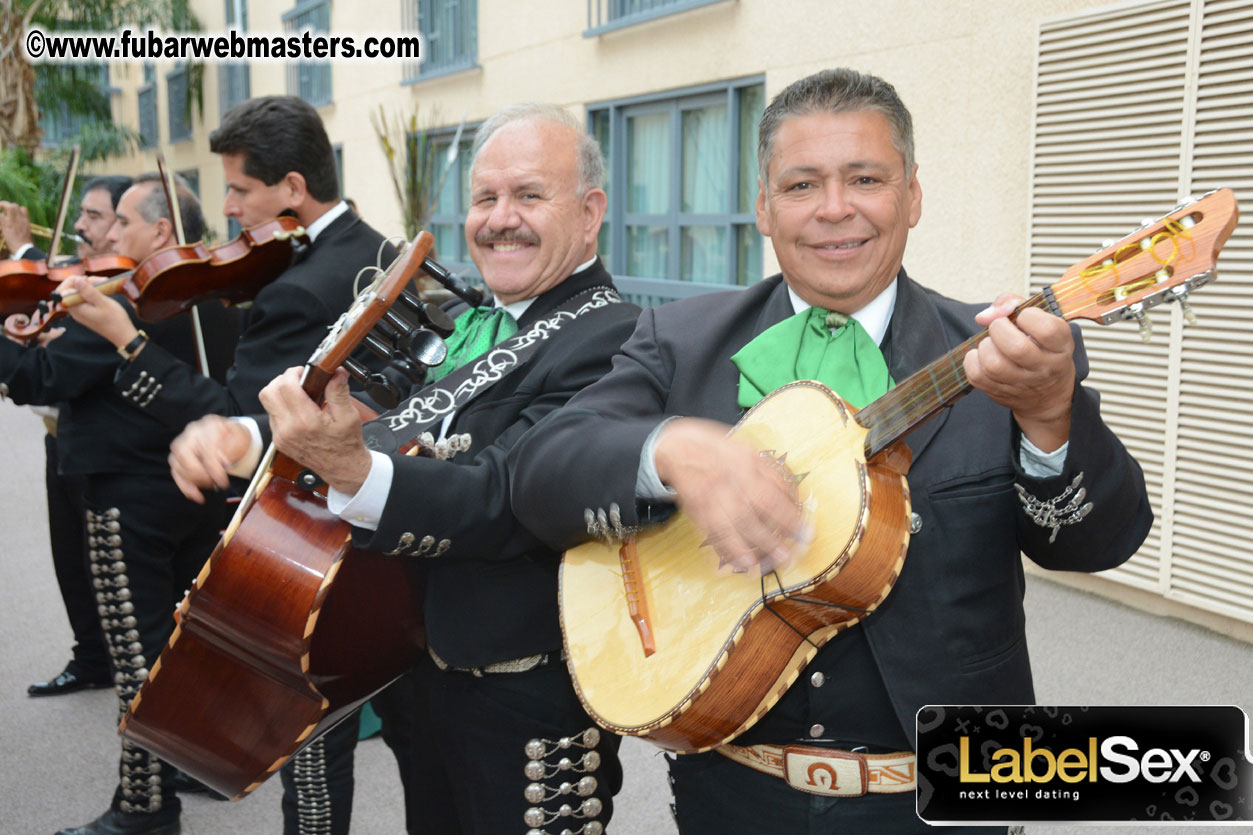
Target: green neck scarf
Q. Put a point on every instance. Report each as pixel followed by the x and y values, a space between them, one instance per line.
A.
pixel 474 332
pixel 815 344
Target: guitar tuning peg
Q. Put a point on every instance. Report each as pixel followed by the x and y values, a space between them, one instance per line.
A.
pixel 1145 323
pixel 1181 295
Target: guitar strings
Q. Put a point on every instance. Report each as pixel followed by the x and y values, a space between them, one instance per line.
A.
pixel 902 409
pixel 766 603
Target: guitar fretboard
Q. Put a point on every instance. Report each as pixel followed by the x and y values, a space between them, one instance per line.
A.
pixel 925 392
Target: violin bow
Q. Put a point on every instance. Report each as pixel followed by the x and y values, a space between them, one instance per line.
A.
pixel 176 217
pixel 71 171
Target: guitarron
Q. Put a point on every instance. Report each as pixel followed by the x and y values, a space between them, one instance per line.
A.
pixel 287 629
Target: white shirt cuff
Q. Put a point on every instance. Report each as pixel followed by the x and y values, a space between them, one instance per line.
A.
pixel 247 464
pixel 1039 464
pixel 365 509
pixel 21 251
pixel 648 484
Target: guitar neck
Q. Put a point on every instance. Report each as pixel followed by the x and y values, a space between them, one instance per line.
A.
pixel 919 396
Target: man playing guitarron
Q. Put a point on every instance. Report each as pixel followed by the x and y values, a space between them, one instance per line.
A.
pixel 990 477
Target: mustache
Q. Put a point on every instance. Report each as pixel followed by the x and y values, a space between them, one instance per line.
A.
pixel 484 237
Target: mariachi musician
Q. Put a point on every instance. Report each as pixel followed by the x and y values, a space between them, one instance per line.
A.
pixel 506 746
pixel 144 541
pixel 838 193
pixel 89 662
pixel 277 160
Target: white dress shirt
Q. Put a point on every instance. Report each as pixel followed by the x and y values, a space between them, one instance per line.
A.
pixel 874 317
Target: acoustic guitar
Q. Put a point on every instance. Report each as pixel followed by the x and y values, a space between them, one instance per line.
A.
pixel 287 629
pixel 664 644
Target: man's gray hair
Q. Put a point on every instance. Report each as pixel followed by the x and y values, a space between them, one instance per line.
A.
pixel 836 91
pixel 153 206
pixel 587 149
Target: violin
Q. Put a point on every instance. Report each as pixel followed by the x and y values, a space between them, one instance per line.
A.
pixel 24 284
pixel 175 279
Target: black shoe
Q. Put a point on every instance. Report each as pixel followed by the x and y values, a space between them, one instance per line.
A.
pixel 184 783
pixel 68 682
pixel 127 823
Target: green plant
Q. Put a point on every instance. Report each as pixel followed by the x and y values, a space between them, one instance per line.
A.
pixel 36 185
pixel 417 172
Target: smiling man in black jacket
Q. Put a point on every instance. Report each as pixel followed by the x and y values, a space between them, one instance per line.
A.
pixel 507 745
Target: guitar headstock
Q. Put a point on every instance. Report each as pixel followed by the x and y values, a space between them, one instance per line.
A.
pixel 366 310
pixel 1161 261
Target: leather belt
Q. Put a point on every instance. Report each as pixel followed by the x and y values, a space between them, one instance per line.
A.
pixel 829 771
pixel 515 665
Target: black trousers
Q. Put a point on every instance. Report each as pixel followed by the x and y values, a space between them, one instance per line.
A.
pixel 716 796
pixel 90 658
pixel 145 544
pixel 318 782
pixel 509 753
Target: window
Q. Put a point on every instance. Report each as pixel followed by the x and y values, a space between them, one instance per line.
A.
pixel 148 137
pixel 234 77
pixel 1135 109
pixel 58 123
pixel 192 176
pixel 448 210
pixel 178 104
pixel 682 184
pixel 607 15
pixel 449 30
pixel 309 80
pixel 338 151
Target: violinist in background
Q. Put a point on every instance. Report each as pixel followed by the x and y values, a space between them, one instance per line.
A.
pixel 145 542
pixel 95 218
pixel 89 662
pixel 277 159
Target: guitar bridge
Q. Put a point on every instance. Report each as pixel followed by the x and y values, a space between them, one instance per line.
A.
pixel 637 602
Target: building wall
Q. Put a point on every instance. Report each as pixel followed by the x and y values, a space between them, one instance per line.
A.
pixel 965 70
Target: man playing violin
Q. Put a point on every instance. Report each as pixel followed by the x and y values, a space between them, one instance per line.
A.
pixel 95 218
pixel 277 160
pixel 505 743
pixel 838 194
pixel 144 541
pixel 89 663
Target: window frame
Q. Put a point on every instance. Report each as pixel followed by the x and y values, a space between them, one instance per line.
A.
pixel 302 75
pixel 178 114
pixel 607 15
pixel 146 96
pixel 230 72
pixel 617 219
pixel 457 217
pixel 467 54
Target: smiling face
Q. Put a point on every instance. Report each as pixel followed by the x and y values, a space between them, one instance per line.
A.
pixel 838 206
pixel 527 227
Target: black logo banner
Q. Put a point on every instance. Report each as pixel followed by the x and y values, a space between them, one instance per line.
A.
pixel 1031 763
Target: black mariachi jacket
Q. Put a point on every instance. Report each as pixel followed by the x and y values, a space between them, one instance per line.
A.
pixel 492 595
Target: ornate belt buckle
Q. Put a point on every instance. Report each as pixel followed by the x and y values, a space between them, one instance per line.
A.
pixel 825 771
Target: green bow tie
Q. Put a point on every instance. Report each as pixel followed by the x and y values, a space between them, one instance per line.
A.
pixel 815 344
pixel 474 332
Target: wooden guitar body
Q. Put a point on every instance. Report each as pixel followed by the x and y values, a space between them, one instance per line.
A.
pixel 665 644
pixel 727 646
pixel 246 681
pixel 287 629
